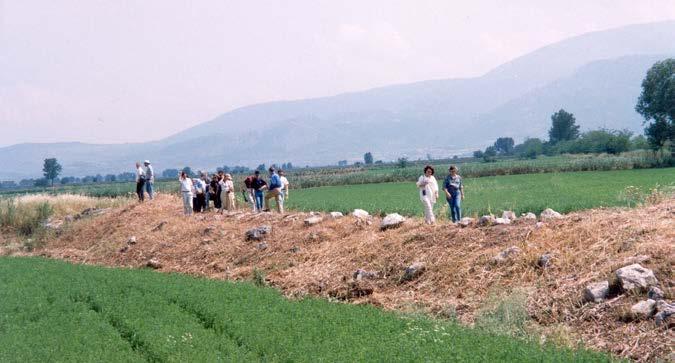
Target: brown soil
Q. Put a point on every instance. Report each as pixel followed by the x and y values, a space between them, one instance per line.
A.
pixel 460 275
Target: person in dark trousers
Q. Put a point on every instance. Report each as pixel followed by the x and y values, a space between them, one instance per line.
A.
pixel 259 185
pixel 199 202
pixel 140 182
pixel 213 192
pixel 454 193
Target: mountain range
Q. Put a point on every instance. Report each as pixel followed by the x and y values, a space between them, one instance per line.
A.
pixel 596 76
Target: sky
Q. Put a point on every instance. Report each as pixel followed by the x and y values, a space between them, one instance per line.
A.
pixel 101 71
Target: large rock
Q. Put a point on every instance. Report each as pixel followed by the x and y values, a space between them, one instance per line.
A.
pixel 360 214
pixel 549 213
pixel 635 277
pixel 544 261
pixel 132 240
pixel 313 220
pixel 413 271
pixel 528 216
pixel 506 255
pixel 507 214
pixel 643 309
pixel 466 221
pixel 486 220
pixel 364 275
pixel 154 263
pixel 258 233
pixel 392 220
pixel 664 313
pixel 336 215
pixel 597 291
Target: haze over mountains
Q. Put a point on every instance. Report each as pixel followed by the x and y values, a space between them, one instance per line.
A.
pixel 596 76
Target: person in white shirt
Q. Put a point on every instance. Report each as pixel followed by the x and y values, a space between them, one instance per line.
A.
pixel 186 188
pixel 227 193
pixel 149 179
pixel 428 187
pixel 140 181
pixel 284 186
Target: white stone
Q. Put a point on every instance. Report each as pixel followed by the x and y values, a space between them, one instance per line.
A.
pixel 336 215
pixel 502 221
pixel 507 254
pixel 549 213
pixel 486 220
pixel 466 221
pixel 507 214
pixel 643 309
pixel 360 214
pixel 392 220
pixel 635 277
pixel 529 216
pixel 413 271
pixel 596 291
pixel 313 220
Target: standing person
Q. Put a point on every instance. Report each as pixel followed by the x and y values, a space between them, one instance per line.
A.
pixel 258 185
pixel 149 179
pixel 249 192
pixel 186 192
pixel 228 193
pixel 454 193
pixel 284 186
pixel 428 193
pixel 207 189
pixel 213 192
pixel 199 200
pixel 274 191
pixel 140 181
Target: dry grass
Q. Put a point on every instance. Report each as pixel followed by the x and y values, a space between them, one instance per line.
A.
pixel 459 279
pixel 67 204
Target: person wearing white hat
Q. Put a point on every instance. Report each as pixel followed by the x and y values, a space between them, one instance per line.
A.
pixel 149 178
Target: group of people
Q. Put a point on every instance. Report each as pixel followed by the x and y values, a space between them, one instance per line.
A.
pixel 145 180
pixel 452 187
pixel 198 193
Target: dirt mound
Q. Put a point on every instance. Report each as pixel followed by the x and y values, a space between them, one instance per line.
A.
pixel 456 267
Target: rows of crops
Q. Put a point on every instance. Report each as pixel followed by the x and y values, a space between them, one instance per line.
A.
pixel 563 192
pixel 54 311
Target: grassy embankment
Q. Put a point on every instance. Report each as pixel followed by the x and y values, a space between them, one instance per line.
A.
pixel 54 311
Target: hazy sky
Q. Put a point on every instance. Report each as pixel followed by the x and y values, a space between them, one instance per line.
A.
pixel 127 71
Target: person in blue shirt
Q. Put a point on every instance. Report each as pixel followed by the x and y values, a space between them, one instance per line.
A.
pixel 274 191
pixel 454 193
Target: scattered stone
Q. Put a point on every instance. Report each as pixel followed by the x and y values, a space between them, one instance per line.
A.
pixel 486 220
pixel 392 220
pixel 413 271
pixel 258 233
pixel 643 309
pixel 68 218
pixel 92 212
pixel 502 221
pixel 466 221
pixel 597 291
pixel 364 275
pixel 160 226
pixel 528 216
pixel 262 246
pixel 313 213
pixel 132 240
pixel 549 213
pixel 544 261
pixel 208 230
pixel 635 277
pixel 124 249
pixel 664 313
pixel 360 214
pixel 655 293
pixel 539 225
pixel 506 255
pixel 294 249
pixel 507 214
pixel 154 263
pixel 336 215
pixel 313 220
pixel 52 224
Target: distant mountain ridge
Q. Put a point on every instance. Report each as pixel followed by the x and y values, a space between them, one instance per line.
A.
pixel 596 76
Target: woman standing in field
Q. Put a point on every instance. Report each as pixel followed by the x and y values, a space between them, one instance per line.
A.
pixel 227 193
pixel 186 192
pixel 140 181
pixel 454 193
pixel 428 193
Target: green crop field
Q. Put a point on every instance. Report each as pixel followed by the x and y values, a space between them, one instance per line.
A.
pixel 54 311
pixel 564 192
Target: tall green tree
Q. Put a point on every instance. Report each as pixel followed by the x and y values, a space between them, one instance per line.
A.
pixel 368 158
pixel 563 127
pixel 504 145
pixel 51 169
pixel 657 103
